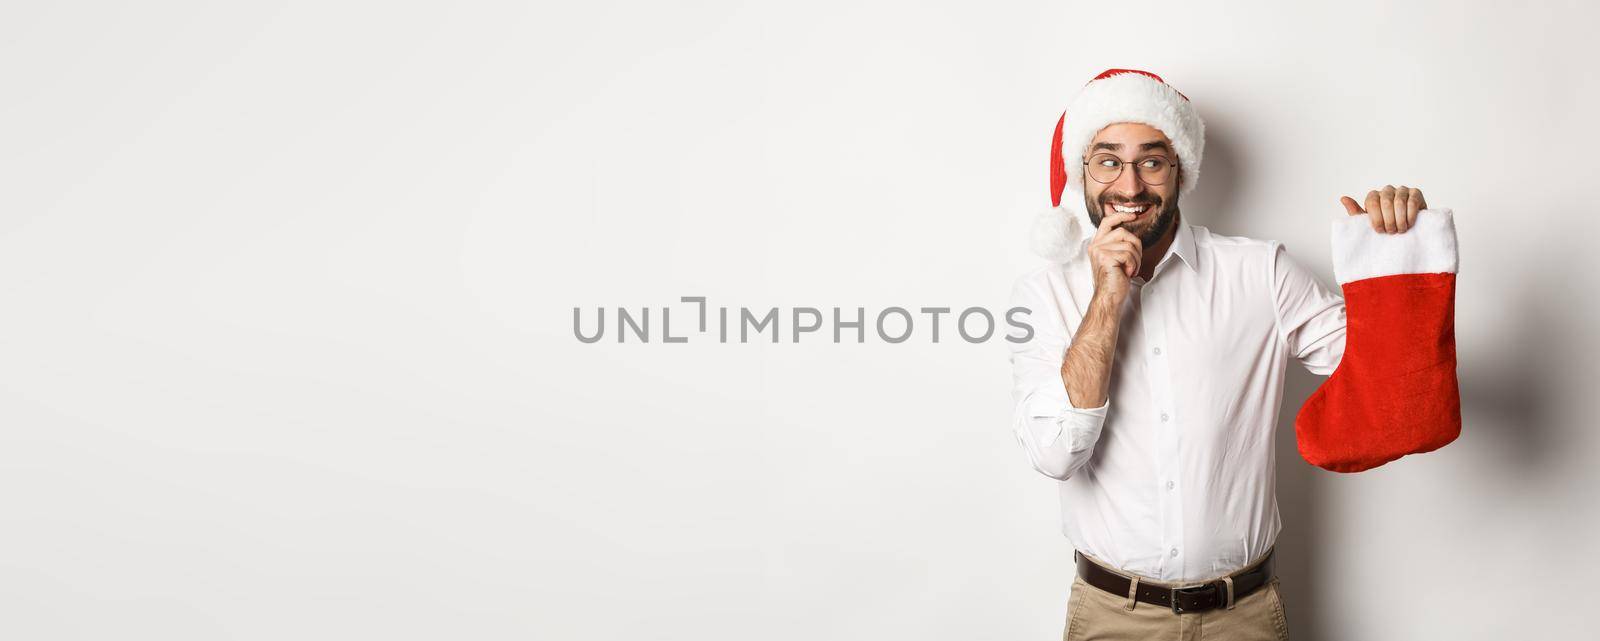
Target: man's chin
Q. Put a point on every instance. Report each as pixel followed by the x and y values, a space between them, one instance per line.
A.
pixel 1141 225
pixel 1143 228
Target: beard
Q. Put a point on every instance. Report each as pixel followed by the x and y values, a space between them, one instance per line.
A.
pixel 1153 226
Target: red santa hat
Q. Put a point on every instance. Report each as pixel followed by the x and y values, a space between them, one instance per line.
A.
pixel 1116 95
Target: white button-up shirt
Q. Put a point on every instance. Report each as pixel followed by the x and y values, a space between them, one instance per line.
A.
pixel 1172 478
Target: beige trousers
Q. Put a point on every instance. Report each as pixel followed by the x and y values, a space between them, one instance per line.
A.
pixel 1094 614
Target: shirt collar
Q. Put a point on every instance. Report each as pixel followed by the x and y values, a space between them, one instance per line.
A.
pixel 1183 245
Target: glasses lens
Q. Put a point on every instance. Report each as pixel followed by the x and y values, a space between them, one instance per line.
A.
pixel 1104 168
pixel 1154 170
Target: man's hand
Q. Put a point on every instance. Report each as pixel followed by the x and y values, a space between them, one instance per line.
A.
pixel 1393 209
pixel 1114 254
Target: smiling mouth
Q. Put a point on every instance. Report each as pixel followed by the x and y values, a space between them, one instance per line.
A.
pixel 1140 208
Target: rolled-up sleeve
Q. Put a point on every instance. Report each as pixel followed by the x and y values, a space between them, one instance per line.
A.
pixel 1057 436
pixel 1311 317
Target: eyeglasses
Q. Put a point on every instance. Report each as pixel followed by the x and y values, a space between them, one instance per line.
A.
pixel 1107 168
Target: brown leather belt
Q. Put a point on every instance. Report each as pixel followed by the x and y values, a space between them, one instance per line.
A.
pixel 1189 598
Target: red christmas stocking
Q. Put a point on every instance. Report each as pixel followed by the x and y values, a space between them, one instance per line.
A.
pixel 1394 392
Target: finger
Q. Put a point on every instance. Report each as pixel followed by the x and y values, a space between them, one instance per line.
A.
pixel 1387 202
pixel 1402 208
pixel 1127 256
pixel 1374 211
pixel 1413 205
pixel 1121 242
pixel 1132 262
pixel 1105 248
pixel 1120 247
pixel 1117 254
pixel 1350 206
pixel 1117 258
pixel 1110 222
pixel 1126 236
pixel 1422 203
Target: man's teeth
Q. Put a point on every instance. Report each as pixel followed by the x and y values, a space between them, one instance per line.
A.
pixel 1129 210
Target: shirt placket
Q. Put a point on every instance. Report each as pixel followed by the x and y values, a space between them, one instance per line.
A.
pixel 1154 323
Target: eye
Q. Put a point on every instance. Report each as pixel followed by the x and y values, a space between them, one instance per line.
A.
pixel 1154 163
pixel 1109 162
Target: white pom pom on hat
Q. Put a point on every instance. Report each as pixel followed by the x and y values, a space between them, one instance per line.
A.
pixel 1116 95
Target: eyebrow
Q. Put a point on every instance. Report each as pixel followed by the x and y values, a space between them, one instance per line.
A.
pixel 1117 146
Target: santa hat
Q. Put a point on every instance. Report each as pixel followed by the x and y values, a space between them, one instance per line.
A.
pixel 1116 95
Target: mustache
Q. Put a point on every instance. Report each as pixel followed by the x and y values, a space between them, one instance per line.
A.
pixel 1141 200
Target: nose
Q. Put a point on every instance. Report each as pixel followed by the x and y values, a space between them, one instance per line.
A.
pixel 1127 184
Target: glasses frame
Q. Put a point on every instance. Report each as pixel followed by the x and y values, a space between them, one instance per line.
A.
pixel 1124 165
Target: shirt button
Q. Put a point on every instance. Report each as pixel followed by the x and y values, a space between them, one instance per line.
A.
pixel 1170 484
pixel 1158 351
pixel 1174 551
pixel 1163 417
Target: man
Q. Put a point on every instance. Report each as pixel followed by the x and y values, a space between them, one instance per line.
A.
pixel 1151 386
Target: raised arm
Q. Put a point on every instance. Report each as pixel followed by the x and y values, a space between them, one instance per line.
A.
pixel 1061 385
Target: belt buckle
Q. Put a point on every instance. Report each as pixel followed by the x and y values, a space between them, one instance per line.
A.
pixel 1193 589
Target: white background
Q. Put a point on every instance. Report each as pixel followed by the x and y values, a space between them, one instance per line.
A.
pixel 286 346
